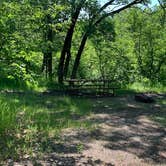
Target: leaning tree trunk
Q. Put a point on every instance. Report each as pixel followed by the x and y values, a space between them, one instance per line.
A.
pixel 65 53
pixel 94 23
pixel 62 59
pixel 78 56
pixel 67 63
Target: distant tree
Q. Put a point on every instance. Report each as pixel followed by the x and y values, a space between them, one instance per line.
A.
pixel 76 7
pixel 148 32
pixel 95 20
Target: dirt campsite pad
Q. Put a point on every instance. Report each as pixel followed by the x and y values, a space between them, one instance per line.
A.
pixel 124 133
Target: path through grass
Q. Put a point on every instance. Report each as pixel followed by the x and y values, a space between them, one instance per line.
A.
pixel 32 126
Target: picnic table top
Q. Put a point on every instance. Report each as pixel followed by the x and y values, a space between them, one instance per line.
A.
pixel 88 80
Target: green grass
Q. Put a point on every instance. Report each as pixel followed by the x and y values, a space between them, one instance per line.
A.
pixel 146 87
pixel 160 116
pixel 7 116
pixel 29 121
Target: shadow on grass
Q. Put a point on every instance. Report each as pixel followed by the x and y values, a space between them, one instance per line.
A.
pixel 127 126
pixel 40 118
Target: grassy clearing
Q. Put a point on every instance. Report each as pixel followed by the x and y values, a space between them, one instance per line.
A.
pixel 29 122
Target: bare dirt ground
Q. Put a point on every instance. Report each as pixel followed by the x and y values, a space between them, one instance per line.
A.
pixel 123 135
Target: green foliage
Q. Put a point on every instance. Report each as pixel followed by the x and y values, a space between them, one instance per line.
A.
pixel 127 48
pixel 148 33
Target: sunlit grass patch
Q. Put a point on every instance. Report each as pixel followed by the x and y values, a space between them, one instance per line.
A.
pixel 147 87
pixel 29 121
pixel 7 116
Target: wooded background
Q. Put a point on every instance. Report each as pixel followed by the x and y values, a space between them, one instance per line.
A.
pixel 51 40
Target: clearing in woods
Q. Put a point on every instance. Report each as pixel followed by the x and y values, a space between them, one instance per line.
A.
pixel 97 131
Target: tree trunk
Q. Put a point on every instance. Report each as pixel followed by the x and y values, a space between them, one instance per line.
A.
pixel 78 56
pixel 44 63
pixel 65 53
pixel 94 23
pixel 49 65
pixel 67 64
pixel 47 56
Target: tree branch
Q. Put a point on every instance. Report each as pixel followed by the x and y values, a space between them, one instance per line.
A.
pixel 162 5
pixel 106 5
pixel 118 10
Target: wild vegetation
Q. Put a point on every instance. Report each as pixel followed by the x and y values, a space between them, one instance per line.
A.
pixel 40 42
pixel 43 43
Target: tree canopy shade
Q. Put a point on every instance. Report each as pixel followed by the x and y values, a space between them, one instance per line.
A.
pixel 97 15
pixel 81 38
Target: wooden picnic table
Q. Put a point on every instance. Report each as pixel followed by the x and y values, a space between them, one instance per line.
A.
pixel 91 86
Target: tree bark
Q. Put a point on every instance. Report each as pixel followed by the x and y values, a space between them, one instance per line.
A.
pixel 43 63
pixel 67 63
pixel 65 53
pixel 49 64
pixel 47 56
pixel 78 56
